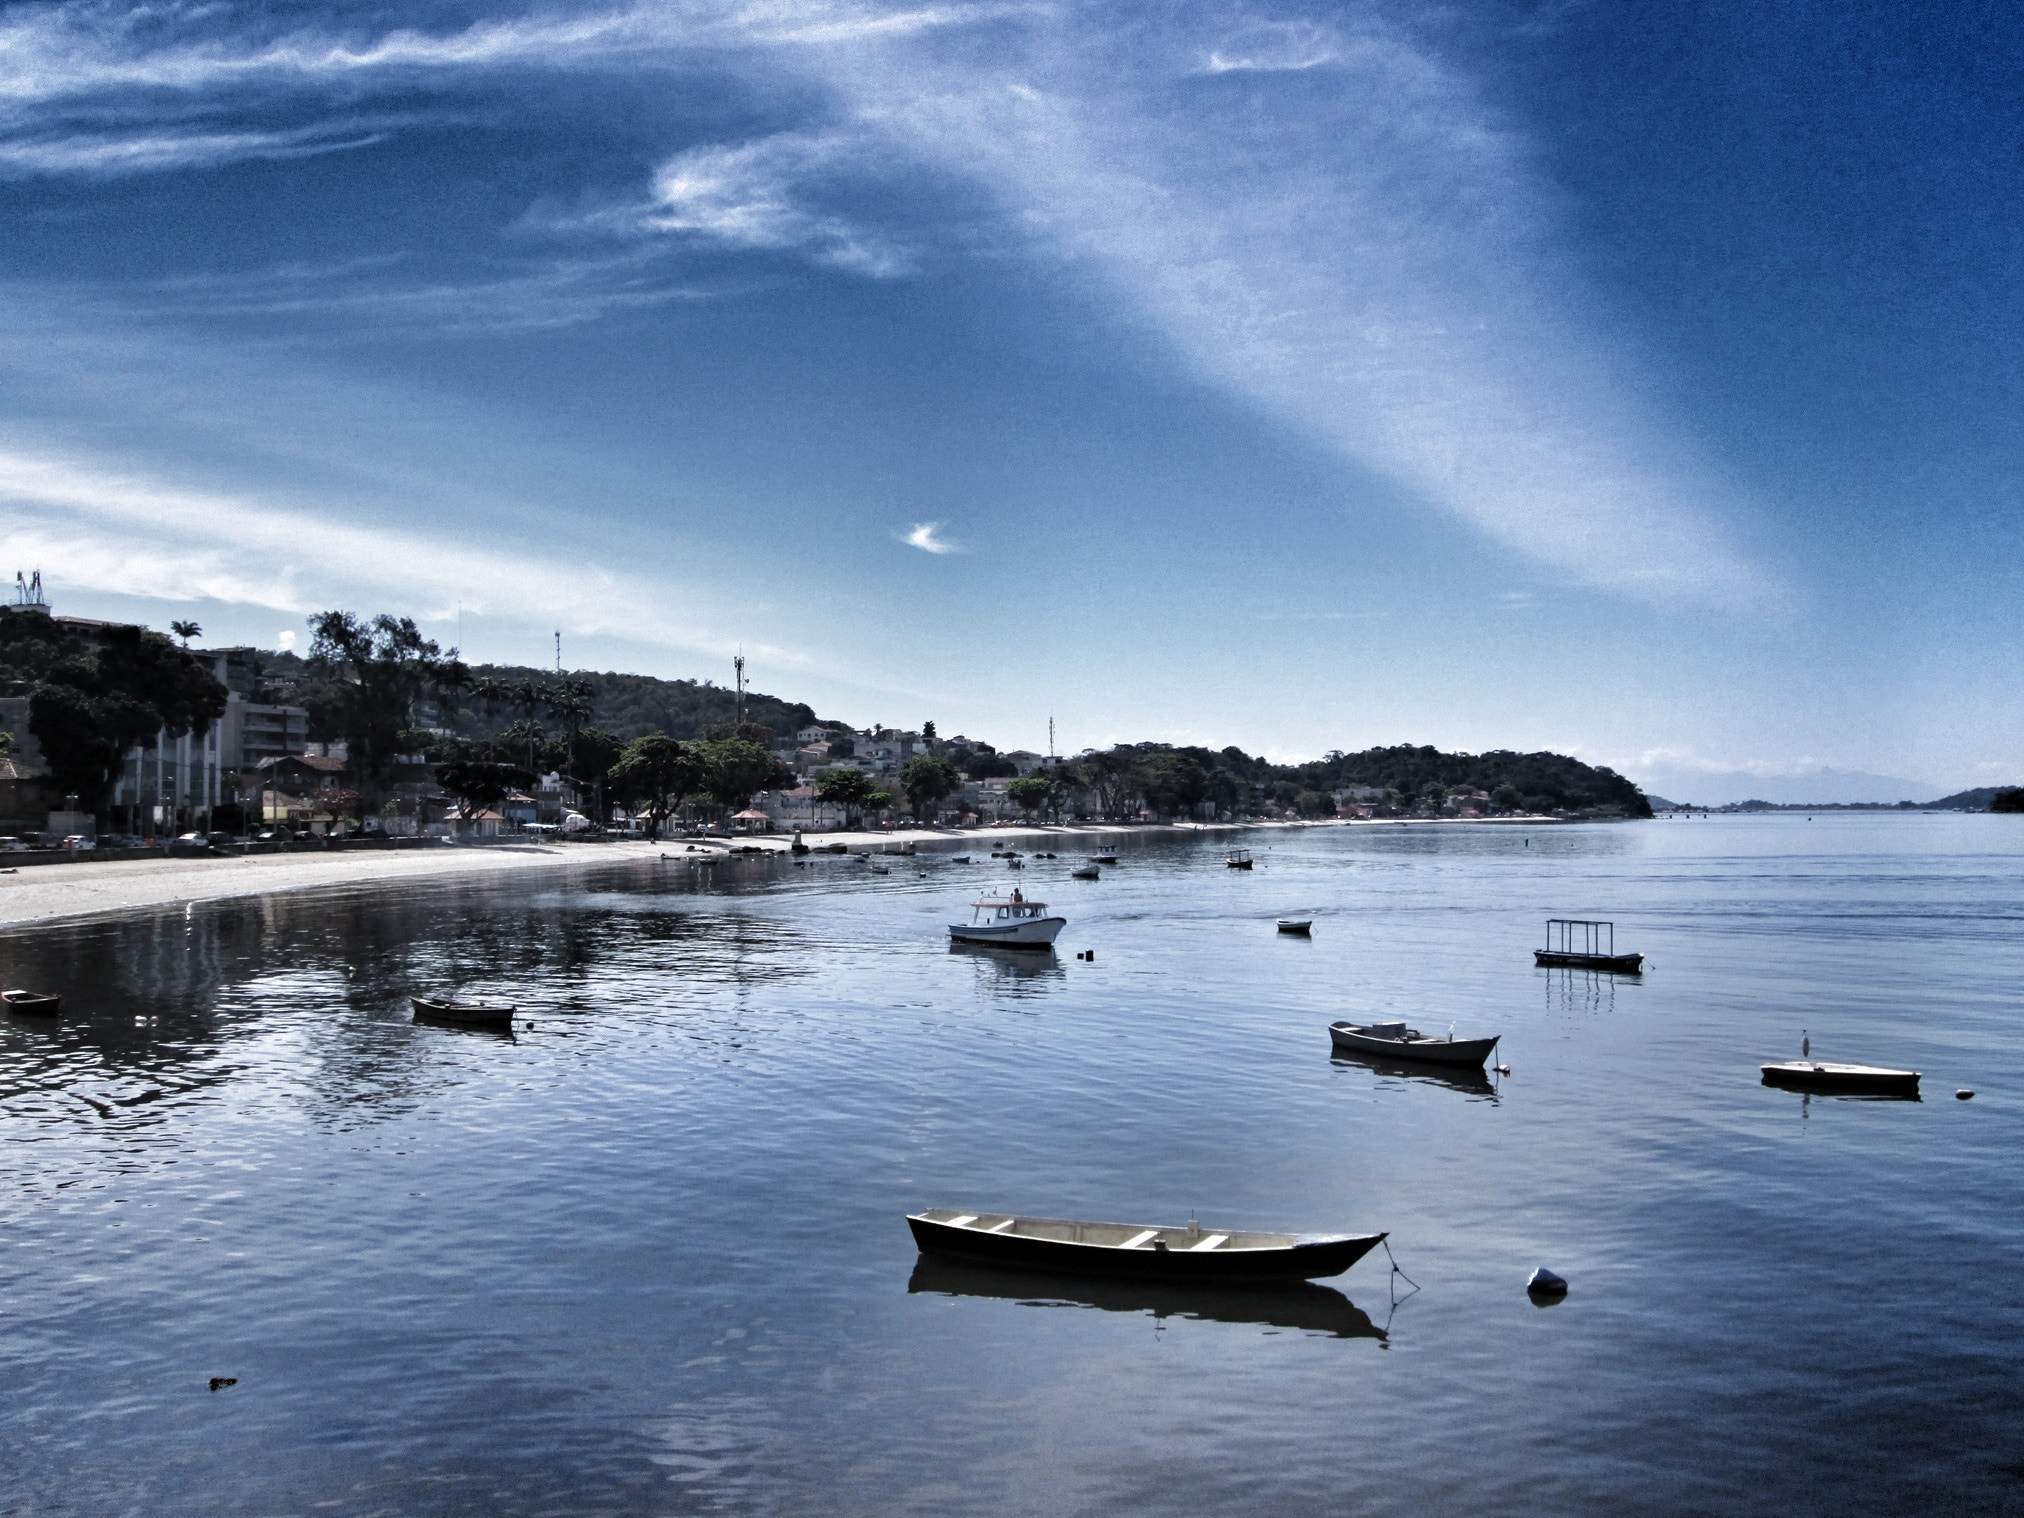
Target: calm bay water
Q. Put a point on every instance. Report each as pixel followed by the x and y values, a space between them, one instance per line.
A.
pixel 649 1257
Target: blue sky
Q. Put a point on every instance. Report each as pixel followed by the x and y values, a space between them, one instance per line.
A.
pixel 1634 381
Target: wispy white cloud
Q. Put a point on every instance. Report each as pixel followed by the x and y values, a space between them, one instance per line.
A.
pixel 100 155
pixel 123 534
pixel 756 195
pixel 927 536
pixel 1375 263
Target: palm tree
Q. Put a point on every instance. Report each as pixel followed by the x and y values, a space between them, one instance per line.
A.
pixel 186 631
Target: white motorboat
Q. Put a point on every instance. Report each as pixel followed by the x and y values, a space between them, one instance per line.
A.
pixel 1010 922
pixel 1397 1041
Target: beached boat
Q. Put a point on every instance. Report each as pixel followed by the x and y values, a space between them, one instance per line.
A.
pixel 1397 1041
pixel 1575 943
pixel 1010 922
pixel 1187 1253
pixel 474 1014
pixel 1238 859
pixel 1297 925
pixel 1086 872
pixel 32 1003
pixel 1811 1075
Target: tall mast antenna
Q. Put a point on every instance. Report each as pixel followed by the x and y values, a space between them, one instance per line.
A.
pixel 1050 737
pixel 739 662
pixel 558 650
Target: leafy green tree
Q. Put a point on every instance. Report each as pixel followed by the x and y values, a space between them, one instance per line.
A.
pixel 1113 776
pixel 848 787
pixel 106 692
pixel 749 732
pixel 596 752
pixel 385 668
pixel 1171 782
pixel 2007 801
pixel 658 773
pixel 877 800
pixel 928 780
pixel 735 768
pixel 1033 794
pixel 1506 797
pixel 478 782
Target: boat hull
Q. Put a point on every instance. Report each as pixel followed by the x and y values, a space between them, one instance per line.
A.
pixel 1302 1258
pixel 32 1003
pixel 1805 1075
pixel 1464 1053
pixel 1297 927
pixel 1025 933
pixel 468 1014
pixel 1615 964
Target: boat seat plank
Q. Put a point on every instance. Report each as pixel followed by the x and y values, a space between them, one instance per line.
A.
pixel 964 1221
pixel 1209 1243
pixel 1140 1238
pixel 1001 1227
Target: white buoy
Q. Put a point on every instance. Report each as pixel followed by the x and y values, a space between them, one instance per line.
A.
pixel 1545 1283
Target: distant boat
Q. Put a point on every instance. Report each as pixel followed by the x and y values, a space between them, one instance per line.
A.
pixel 1299 925
pixel 1810 1075
pixel 475 1014
pixel 1576 943
pixel 1186 1253
pixel 32 1003
pixel 1086 872
pixel 1397 1041
pixel 1104 856
pixel 1009 921
pixel 959 859
pixel 1238 859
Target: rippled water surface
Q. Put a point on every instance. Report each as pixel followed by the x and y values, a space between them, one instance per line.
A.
pixel 649 1255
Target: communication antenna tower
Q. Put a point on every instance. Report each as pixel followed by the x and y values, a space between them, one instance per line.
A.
pixel 558 650
pixel 739 663
pixel 1050 738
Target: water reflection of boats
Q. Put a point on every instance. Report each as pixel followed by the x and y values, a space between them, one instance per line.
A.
pixel 1472 1082
pixel 1020 964
pixel 1302 1306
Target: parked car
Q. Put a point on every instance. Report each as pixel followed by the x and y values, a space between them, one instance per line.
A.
pixel 193 840
pixel 80 841
pixel 12 846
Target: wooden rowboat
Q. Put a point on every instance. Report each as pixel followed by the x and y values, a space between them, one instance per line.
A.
pixel 1811 1075
pixel 1187 1253
pixel 32 1003
pixel 1397 1041
pixel 1301 926
pixel 472 1014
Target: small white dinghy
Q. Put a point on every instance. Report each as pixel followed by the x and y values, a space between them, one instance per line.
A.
pixel 1397 1041
pixel 1011 922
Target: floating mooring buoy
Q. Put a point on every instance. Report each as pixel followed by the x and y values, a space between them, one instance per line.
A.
pixel 1964 1095
pixel 1545 1283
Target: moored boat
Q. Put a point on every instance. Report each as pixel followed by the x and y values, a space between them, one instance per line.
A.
pixel 1186 1253
pixel 1301 926
pixel 1010 922
pixel 1397 1041
pixel 1086 872
pixel 1238 859
pixel 475 1014
pixel 1576 943
pixel 1104 856
pixel 1811 1075
pixel 32 1003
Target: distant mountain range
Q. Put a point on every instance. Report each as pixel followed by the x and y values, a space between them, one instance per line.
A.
pixel 1821 787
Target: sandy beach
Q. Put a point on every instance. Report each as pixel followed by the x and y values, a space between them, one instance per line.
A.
pixel 47 893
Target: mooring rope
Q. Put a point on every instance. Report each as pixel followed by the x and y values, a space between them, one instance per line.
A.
pixel 1396 1271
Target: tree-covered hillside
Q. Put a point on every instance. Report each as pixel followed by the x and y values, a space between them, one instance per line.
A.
pixel 1554 778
